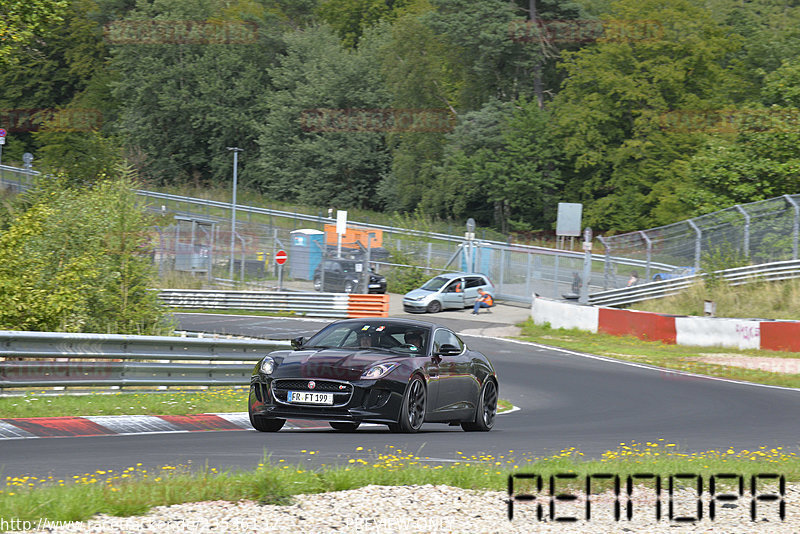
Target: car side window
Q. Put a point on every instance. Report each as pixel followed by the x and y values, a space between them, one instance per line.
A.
pixel 446 337
pixel 455 286
pixel 474 281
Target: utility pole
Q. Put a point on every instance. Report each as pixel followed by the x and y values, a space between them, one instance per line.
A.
pixel 235 151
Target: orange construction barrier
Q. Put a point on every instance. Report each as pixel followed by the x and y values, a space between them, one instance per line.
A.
pixel 368 306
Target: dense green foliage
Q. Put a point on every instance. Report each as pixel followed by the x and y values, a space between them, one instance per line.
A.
pixel 677 108
pixel 77 259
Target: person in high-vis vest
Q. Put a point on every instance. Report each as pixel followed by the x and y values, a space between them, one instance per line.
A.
pixel 484 300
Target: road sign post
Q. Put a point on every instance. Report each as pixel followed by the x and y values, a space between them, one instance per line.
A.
pixel 341 229
pixel 587 266
pixel 280 259
pixel 2 142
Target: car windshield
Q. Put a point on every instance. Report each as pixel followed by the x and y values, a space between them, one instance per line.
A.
pixel 435 284
pixel 396 337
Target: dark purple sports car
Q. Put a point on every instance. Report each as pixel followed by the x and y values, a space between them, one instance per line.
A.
pixel 396 372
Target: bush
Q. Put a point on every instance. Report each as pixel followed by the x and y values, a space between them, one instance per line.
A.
pixel 77 259
pixel 404 279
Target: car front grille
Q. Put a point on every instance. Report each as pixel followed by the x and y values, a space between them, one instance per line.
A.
pixel 342 391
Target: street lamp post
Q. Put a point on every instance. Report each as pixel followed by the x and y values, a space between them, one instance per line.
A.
pixel 235 151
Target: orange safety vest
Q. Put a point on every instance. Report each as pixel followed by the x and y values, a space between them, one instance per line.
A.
pixel 487 298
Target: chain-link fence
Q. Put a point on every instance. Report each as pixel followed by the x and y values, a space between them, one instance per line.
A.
pixel 193 239
pixel 759 232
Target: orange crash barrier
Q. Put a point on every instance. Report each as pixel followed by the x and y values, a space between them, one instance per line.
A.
pixel 368 306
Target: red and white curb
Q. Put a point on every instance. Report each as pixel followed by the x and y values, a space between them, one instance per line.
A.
pixel 115 425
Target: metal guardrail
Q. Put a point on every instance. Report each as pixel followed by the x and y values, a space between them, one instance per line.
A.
pixel 765 272
pixel 44 359
pixel 335 305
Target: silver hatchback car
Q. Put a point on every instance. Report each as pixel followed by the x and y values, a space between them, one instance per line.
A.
pixel 447 291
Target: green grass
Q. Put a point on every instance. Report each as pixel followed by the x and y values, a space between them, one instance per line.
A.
pixel 660 354
pixel 212 400
pixel 34 404
pixel 134 490
pixel 764 300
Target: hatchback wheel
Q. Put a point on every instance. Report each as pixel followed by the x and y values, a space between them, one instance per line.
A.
pixel 434 307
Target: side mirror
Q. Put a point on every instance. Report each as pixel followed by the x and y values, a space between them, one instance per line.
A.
pixel 448 350
pixel 297 343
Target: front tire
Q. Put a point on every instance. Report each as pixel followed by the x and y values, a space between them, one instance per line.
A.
pixel 412 412
pixel 485 411
pixel 434 307
pixel 345 426
pixel 317 284
pixel 266 424
pixel 348 287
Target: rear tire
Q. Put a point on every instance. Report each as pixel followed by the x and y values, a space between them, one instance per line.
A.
pixel 317 284
pixel 486 410
pixel 348 287
pixel 434 307
pixel 345 426
pixel 266 424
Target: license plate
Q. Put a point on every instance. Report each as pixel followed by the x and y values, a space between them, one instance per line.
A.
pixel 308 397
pixel 374 285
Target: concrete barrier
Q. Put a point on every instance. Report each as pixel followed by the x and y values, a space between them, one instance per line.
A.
pixel 690 331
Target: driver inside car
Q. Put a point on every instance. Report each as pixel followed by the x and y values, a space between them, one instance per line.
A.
pixel 365 340
pixel 414 339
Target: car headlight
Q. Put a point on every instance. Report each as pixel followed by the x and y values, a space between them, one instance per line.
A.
pixel 413 298
pixel 267 365
pixel 378 371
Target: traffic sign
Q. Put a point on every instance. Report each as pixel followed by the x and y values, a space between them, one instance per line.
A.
pixel 280 257
pixel 2 132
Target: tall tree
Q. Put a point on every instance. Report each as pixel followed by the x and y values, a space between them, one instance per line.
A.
pixel 183 101
pixel 629 170
pixel 318 142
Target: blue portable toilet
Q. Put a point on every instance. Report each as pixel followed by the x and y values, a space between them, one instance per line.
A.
pixel 305 252
pixel 481 261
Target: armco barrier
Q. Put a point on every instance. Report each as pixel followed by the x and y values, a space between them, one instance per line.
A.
pixel 690 331
pixel 36 359
pixel 335 305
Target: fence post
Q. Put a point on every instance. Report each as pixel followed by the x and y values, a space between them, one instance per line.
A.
pixel 606 262
pixel 698 243
pixel 795 225
pixel 502 267
pixel 746 216
pixel 555 277
pixel 428 260
pixel 528 277
pixel 649 254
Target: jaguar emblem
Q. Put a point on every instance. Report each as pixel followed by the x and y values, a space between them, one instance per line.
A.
pixel 312 384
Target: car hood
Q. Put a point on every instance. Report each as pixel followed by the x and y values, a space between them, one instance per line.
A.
pixel 341 364
pixel 417 293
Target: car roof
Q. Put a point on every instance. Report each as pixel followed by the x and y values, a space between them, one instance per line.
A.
pixel 456 275
pixel 392 320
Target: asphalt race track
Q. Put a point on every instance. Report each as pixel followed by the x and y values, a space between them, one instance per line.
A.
pixel 565 400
